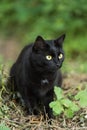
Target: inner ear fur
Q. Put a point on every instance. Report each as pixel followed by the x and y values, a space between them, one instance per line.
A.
pixel 59 41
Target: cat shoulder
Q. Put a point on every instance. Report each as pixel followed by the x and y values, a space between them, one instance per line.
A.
pixel 24 52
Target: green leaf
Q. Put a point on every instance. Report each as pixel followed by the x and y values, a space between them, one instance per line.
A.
pixel 74 107
pixel 82 97
pixel 3 127
pixel 66 102
pixel 52 104
pixel 58 108
pixel 58 92
pixel 71 107
pixel 69 113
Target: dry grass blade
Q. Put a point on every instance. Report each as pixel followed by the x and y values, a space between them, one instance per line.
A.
pixel 13 115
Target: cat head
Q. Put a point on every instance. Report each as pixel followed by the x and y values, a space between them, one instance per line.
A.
pixel 48 55
pixel 41 44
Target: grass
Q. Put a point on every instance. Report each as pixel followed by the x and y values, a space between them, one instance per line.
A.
pixel 13 116
pixel 77 66
pixel 75 47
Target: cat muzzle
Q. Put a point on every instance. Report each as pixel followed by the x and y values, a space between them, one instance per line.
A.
pixel 58 65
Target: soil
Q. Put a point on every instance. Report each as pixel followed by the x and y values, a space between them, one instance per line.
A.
pixel 15 116
pixel 9 49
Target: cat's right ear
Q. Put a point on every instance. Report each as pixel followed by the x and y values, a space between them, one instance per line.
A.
pixel 39 44
pixel 59 41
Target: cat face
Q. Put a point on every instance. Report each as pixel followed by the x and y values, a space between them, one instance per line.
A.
pixel 47 55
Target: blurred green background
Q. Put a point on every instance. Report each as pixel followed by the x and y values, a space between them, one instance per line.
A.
pixel 23 20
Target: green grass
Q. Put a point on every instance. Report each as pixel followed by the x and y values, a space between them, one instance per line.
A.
pixel 3 127
pixel 9 110
pixel 76 46
pixel 74 66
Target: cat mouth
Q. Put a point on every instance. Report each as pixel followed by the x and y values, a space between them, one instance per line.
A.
pixel 52 70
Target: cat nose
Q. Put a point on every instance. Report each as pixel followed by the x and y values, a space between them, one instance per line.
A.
pixel 58 65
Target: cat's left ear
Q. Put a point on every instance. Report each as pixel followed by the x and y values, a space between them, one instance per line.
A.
pixel 39 43
pixel 59 41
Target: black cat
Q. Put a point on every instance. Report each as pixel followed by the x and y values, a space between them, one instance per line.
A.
pixel 37 71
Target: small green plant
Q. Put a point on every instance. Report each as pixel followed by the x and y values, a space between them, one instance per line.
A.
pixel 3 80
pixel 3 107
pixel 4 127
pixel 3 110
pixel 82 98
pixel 64 105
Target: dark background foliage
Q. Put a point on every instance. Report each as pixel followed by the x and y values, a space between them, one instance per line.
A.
pixel 25 19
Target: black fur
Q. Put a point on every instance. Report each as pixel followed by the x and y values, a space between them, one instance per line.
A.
pixel 34 76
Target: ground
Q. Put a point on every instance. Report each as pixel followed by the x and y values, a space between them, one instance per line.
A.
pixel 14 116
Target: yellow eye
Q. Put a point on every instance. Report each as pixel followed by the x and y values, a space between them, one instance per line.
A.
pixel 60 56
pixel 49 57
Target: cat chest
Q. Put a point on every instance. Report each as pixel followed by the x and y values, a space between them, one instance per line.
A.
pixel 40 85
pixel 40 90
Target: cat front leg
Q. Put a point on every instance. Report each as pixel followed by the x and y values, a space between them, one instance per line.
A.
pixel 26 100
pixel 47 99
pixel 27 104
pixel 31 105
